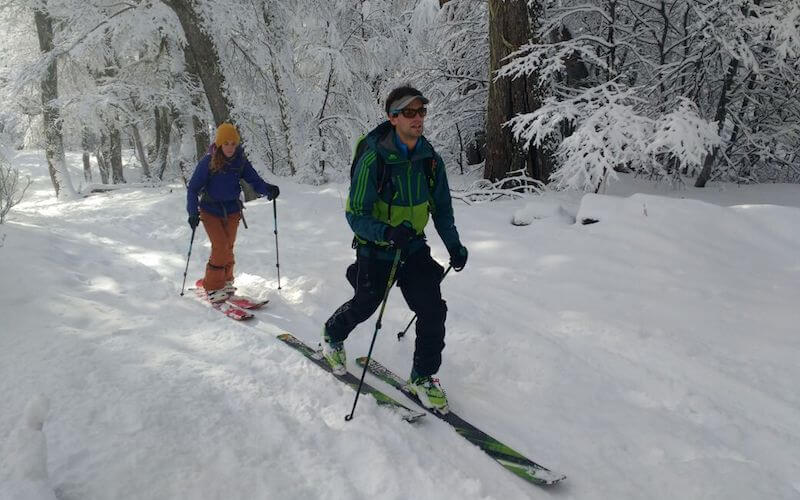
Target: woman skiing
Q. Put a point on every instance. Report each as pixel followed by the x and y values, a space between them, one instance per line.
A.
pixel 213 197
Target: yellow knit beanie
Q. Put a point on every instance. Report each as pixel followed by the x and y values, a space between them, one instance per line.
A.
pixel 226 133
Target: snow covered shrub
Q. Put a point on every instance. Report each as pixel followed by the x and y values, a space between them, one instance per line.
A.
pixel 12 188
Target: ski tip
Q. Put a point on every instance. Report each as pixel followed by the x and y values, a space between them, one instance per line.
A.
pixel 552 481
pixel 534 474
pixel 413 417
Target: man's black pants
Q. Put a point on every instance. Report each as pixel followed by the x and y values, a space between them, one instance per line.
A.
pixel 418 278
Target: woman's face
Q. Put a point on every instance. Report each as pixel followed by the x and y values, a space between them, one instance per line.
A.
pixel 228 148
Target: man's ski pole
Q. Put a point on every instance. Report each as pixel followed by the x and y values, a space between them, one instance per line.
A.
pixel 191 241
pixel 400 335
pixel 389 284
pixel 277 257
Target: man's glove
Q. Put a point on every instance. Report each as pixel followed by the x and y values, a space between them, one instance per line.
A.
pixel 400 236
pixel 194 220
pixel 272 192
pixel 458 257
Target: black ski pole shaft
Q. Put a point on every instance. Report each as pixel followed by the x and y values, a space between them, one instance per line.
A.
pixel 400 335
pixel 191 242
pixel 389 284
pixel 277 255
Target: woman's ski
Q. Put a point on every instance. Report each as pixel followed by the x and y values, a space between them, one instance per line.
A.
pixel 230 310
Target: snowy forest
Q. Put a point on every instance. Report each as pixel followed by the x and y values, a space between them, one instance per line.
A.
pixel 624 177
pixel 566 92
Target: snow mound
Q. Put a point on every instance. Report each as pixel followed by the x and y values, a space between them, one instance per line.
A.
pixel 542 210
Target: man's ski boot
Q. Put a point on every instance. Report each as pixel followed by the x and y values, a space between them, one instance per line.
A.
pixel 334 354
pixel 429 392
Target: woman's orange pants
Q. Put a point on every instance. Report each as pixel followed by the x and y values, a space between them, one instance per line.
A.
pixel 222 233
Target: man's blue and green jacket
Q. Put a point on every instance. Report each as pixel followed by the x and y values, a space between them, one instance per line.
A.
pixel 409 188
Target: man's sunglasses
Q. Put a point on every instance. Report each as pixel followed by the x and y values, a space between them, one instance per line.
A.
pixel 410 112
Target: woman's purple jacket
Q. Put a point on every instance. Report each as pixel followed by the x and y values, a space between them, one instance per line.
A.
pixel 222 188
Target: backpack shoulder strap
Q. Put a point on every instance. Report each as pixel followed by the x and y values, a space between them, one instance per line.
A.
pixel 430 172
pixel 361 147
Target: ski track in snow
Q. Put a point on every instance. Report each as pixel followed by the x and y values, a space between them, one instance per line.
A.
pixel 650 355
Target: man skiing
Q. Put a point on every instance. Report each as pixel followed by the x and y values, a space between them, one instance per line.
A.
pixel 398 183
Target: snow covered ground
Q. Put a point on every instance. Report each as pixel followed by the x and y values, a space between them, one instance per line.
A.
pixel 651 355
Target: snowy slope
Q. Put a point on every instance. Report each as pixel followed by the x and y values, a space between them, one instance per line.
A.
pixel 650 355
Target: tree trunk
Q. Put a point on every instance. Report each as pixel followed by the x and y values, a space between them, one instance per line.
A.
pixel 54 140
pixel 139 148
pixel 115 155
pixel 166 134
pixel 722 107
pixel 181 123
pixel 283 102
pixel 199 43
pixel 511 24
pixel 321 116
pixel 163 131
pixel 86 146
pixel 103 156
pixel 202 140
pixel 87 167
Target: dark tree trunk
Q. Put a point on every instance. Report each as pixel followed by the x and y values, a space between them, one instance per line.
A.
pixel 87 167
pixel 283 102
pixel 54 141
pixel 163 131
pixel 511 24
pixel 202 139
pixel 722 111
pixel 722 107
pixel 103 162
pixel 86 146
pixel 165 118
pixel 115 155
pixel 201 136
pixel 199 43
pixel 139 148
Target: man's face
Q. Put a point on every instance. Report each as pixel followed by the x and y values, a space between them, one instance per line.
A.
pixel 409 129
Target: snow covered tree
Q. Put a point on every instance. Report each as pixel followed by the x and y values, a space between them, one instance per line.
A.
pixel 647 63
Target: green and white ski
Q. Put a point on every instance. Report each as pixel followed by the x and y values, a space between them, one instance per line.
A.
pixel 504 455
pixel 348 378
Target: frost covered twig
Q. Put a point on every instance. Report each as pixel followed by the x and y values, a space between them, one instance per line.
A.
pixel 516 185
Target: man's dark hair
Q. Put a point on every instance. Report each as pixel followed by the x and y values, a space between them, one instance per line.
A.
pixel 399 93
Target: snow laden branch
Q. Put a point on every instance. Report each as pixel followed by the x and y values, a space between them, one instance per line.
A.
pixel 547 61
pixel 681 136
pixel 611 132
pixel 516 185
